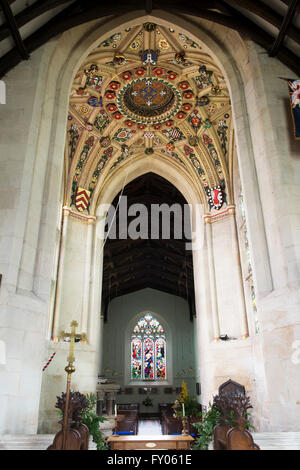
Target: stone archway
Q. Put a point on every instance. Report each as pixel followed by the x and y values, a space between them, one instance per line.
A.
pixel 192 182
pixel 90 298
pixel 31 276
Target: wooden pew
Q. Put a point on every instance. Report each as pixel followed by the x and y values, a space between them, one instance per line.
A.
pixel 77 433
pixel 128 414
pixel 233 402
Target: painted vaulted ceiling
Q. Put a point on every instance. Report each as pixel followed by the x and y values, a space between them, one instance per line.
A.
pixel 148 91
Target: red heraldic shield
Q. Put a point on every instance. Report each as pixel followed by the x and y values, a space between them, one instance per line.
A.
pixel 216 197
pixel 82 199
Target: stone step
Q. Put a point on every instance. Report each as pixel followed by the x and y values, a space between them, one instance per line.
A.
pixel 30 442
pixel 277 440
pixel 266 441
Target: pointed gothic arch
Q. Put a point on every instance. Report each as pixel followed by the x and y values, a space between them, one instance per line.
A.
pixel 141 165
pixel 51 141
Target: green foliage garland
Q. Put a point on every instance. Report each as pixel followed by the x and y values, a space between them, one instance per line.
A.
pixel 92 420
pixel 205 428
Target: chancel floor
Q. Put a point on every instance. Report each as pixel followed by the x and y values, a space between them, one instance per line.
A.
pixel 266 440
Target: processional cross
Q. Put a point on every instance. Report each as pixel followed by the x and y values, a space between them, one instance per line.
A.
pixel 74 337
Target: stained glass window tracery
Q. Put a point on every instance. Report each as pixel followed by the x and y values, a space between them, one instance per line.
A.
pixel 148 350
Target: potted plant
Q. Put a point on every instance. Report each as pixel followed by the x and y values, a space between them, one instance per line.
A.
pixel 92 420
pixel 214 416
pixel 205 428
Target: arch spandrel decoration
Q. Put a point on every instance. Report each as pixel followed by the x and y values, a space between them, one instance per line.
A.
pixel 148 91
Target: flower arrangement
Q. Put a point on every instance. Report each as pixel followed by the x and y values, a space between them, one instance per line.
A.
pixel 191 406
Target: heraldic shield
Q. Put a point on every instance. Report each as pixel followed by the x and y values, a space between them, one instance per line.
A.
pixel 215 199
pixel 82 199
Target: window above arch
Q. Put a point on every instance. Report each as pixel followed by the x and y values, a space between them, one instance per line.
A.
pixel 148 350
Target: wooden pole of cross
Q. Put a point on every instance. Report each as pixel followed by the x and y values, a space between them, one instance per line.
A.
pixel 73 337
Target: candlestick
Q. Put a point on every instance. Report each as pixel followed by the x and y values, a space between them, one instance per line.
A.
pixel 69 369
pixel 183 410
pixel 116 410
pixel 184 427
pixel 116 426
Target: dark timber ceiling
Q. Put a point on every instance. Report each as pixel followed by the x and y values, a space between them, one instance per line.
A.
pixel 273 24
pixel 162 264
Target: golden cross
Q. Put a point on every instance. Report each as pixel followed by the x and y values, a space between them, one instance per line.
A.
pixel 73 337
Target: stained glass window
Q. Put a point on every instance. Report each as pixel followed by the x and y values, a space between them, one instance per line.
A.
pixel 148 350
pixel 136 358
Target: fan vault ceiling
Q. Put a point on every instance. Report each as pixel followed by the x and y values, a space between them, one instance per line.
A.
pixel 148 91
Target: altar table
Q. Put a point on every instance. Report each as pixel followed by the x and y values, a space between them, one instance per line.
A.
pixel 153 442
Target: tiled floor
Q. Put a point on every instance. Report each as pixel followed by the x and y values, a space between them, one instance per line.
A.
pixel 149 427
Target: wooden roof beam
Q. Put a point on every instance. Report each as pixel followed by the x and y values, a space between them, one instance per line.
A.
pixel 287 2
pixel 148 6
pixel 30 13
pixel 266 13
pixel 244 25
pixel 167 287
pixel 156 264
pixel 162 276
pixel 9 2
pixel 149 242
pixel 157 252
pixel 288 17
pixel 14 29
pixel 77 14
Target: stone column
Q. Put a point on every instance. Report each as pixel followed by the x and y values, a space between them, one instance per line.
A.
pixel 237 260
pixel 100 399
pixel 60 272
pixel 87 278
pixel 212 281
pixel 101 344
pixel 109 403
pixel 107 391
pixel 96 284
